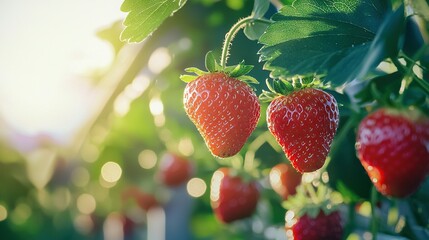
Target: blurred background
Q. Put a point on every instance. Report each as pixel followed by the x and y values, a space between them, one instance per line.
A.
pixel 86 119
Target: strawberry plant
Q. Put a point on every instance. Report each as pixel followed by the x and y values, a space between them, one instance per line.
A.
pixel 303 119
pixel 329 65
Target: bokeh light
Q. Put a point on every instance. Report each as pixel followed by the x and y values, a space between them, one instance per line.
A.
pixel 86 203
pixel 80 177
pixel 186 147
pixel 21 213
pixel 196 187
pixel 83 223
pixel 147 159
pixel 159 60
pixel 3 213
pixel 111 172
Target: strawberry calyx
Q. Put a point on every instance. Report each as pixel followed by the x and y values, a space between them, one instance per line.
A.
pixel 309 201
pixel 284 87
pixel 238 71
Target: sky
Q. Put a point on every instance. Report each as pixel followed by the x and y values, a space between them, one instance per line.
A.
pixel 46 48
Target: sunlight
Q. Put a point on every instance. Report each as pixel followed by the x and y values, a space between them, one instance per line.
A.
pixel 159 60
pixel 44 68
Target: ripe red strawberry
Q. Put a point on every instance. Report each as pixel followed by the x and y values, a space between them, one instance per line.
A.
pixel 174 170
pixel 304 124
pixel 225 111
pixel 322 227
pixel 144 200
pixel 393 147
pixel 231 197
pixel 284 179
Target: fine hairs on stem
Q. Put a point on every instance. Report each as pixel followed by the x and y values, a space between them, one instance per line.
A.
pixel 231 34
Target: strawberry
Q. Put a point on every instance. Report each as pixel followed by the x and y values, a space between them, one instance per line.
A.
pixel 231 197
pixel 284 179
pixel 304 123
pixel 224 109
pixel 322 227
pixel 313 213
pixel 393 147
pixel 144 200
pixel 174 170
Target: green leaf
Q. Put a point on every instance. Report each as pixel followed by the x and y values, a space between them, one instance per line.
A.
pixel 388 84
pixel 188 78
pixel 260 8
pixel 254 30
pixel 386 43
pixel 210 62
pixel 328 38
pixel 248 79
pixel 145 16
pixel 289 87
pixel 240 70
pixel 195 70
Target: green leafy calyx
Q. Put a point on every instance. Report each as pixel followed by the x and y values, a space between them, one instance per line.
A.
pixel 238 71
pixel 283 87
pixel 310 201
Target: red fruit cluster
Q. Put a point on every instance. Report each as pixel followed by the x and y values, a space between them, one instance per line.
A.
pixel 304 123
pixel 174 170
pixel 323 227
pixel 225 111
pixel 393 147
pixel 284 179
pixel 231 197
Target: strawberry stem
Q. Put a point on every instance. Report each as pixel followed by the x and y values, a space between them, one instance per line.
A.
pixel 312 193
pixel 351 216
pixel 374 219
pixel 231 34
pixel 253 147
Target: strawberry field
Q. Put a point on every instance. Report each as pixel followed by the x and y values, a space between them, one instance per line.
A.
pixel 237 119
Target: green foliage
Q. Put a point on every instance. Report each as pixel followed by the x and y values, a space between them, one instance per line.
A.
pixel 254 30
pixel 146 16
pixel 321 37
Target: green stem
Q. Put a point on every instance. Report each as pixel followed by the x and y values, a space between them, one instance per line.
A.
pixel 422 83
pixel 231 34
pixel 253 147
pixel 374 219
pixel 350 219
pixel 313 195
